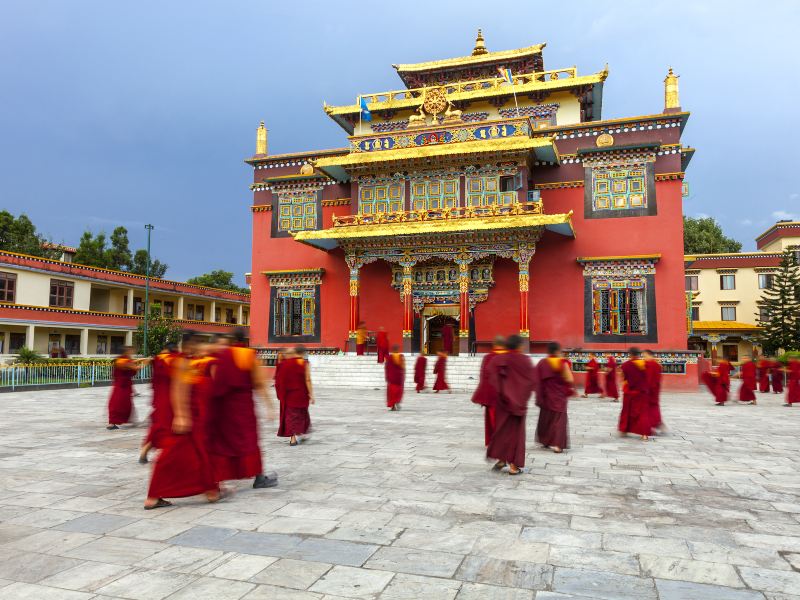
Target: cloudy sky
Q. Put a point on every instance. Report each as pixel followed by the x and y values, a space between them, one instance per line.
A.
pixel 128 113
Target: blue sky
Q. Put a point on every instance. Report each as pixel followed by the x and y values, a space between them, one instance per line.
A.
pixel 127 113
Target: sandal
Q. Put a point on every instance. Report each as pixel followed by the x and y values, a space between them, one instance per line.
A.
pixel 161 503
pixel 110 427
pixel 499 466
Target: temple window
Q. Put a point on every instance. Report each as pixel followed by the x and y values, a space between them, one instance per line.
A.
pixel 381 198
pixel 297 210
pixel 619 181
pixel 765 280
pixel 294 312
pixel 728 313
pixel 488 190
pixel 619 188
pixel 692 283
pixel 434 194
pixel 727 282
pixel 618 307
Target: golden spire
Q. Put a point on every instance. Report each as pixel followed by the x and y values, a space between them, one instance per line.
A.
pixel 480 47
pixel 261 140
pixel 672 102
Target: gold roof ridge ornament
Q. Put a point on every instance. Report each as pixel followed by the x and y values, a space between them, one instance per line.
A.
pixel 480 46
pixel 261 140
pixel 672 101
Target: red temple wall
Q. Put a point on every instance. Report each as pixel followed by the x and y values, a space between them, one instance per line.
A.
pixel 499 314
pixel 380 302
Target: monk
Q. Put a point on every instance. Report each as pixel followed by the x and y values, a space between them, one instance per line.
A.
pixel 724 369
pixel 653 371
pixel 419 372
pixel 485 394
pixel 747 373
pixel 120 404
pixel 776 376
pixel 382 342
pixel 182 467
pixel 555 388
pixel 611 390
pixel 295 393
pixel 514 377
pixel 447 338
pixel 793 387
pixel 635 414
pixel 718 382
pixel 161 415
pixel 592 385
pixel 361 338
pixel 395 372
pixel 763 374
pixel 233 427
pixel 439 369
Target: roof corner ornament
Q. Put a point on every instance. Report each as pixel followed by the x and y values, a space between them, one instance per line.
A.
pixel 480 46
pixel 672 101
pixel 261 140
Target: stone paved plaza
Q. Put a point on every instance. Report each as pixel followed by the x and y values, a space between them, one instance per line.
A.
pixel 404 506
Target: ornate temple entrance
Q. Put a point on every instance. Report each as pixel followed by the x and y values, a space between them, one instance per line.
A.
pixel 440 328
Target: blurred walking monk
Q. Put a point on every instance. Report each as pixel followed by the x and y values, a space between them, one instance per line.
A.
pixel 440 370
pixel 447 338
pixel 161 415
pixel 555 388
pixel 514 377
pixel 419 372
pixel 361 339
pixel 776 376
pixel 793 387
pixel 747 372
pixel 395 372
pixel 763 374
pixel 233 426
pixel 485 394
pixel 653 371
pixel 592 385
pixel 120 404
pixel 634 417
pixel 293 387
pixel 611 390
pixel 382 344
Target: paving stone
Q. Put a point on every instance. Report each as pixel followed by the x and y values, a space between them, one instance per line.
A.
pixel 686 590
pixel 562 537
pixel 179 559
pixel 767 580
pixel 95 523
pixel 147 585
pixel 448 542
pixel 152 529
pixel 119 551
pixel 503 549
pixel 602 586
pixel 414 587
pixel 689 570
pixel 87 576
pixel 214 538
pixel 297 526
pixel 51 541
pixel 599 560
pixel 479 591
pixel 332 551
pixel 32 568
pixel 353 583
pixel 208 588
pixel 266 544
pixel 270 592
pixel 12 532
pixel 751 557
pixel 242 566
pixel 43 517
pixel 415 562
pixel 646 545
pixel 289 573
pixel 505 572
pixel 369 535
pixel 27 591
pixel 609 526
pixel 233 519
pixel 301 510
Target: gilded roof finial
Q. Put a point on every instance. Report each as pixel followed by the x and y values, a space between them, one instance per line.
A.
pixel 480 47
pixel 672 101
pixel 261 140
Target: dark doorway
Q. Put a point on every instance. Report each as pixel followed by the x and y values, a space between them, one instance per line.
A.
pixel 436 333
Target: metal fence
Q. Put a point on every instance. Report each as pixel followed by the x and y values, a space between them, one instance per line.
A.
pixel 80 374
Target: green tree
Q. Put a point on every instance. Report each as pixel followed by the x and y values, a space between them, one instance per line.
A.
pixel 705 236
pixel 139 266
pixel 119 256
pixel 220 279
pixel 160 332
pixel 18 234
pixel 781 307
pixel 92 250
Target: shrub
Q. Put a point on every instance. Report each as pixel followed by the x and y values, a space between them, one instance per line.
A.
pixel 26 355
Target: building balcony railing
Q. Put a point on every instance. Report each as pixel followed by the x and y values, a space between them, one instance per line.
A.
pixel 460 212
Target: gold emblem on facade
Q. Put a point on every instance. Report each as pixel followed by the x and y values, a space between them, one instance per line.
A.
pixel 306 169
pixel 435 101
pixel 605 139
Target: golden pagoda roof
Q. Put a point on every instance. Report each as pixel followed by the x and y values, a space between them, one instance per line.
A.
pixel 466 61
pixel 328 239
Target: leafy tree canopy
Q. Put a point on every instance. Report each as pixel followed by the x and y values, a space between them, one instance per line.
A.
pixel 218 279
pixel 160 332
pixel 18 234
pixel 705 236
pixel 96 251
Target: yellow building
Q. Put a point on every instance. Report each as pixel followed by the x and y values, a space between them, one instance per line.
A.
pixel 725 290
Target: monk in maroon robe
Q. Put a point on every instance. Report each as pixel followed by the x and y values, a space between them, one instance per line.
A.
pixel 793 387
pixel 161 415
pixel 747 372
pixel 294 391
pixel 120 404
pixel 776 376
pixel 395 373
pixel 724 369
pixel 653 371
pixel 763 374
pixel 183 467
pixel 485 394
pixel 447 338
pixel 592 384
pixel 611 390
pixel 514 377
pixel 718 382
pixel 233 427
pixel 555 388
pixel 419 372
pixel 635 414
pixel 439 369
pixel 382 344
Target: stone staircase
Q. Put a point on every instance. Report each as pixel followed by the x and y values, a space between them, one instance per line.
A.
pixel 348 370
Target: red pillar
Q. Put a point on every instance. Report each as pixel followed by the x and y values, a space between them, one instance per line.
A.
pixel 408 306
pixel 354 317
pixel 523 259
pixel 463 289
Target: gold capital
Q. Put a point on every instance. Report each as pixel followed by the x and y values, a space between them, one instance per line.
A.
pixel 261 140
pixel 672 102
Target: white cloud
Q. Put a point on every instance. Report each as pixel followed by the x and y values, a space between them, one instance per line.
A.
pixel 745 222
pixel 782 214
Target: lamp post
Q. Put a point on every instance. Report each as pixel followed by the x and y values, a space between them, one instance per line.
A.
pixel 149 228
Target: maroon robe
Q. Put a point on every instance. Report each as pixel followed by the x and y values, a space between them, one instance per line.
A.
pixel 635 414
pixel 161 416
pixel 653 371
pixel 120 404
pixel 439 370
pixel 382 344
pixel 447 338
pixel 748 387
pixel 776 376
pixel 763 376
pixel 611 378
pixel 395 373
pixel 514 377
pixel 292 392
pixel 183 467
pixel 592 378
pixel 552 428
pixel 233 427
pixel 724 369
pixel 793 388
pixel 419 372
pixel 486 395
